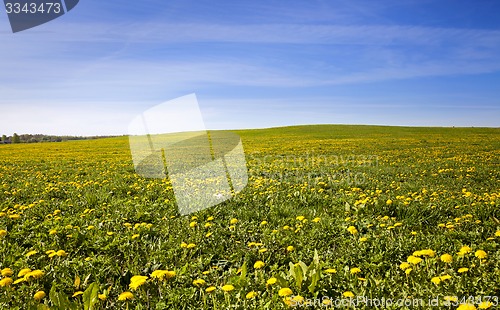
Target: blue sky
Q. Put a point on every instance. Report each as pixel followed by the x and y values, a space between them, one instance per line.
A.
pixel 254 64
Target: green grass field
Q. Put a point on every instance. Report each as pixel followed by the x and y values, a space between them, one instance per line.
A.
pixel 331 214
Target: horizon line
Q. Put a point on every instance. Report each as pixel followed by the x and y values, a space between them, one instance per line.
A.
pixel 272 127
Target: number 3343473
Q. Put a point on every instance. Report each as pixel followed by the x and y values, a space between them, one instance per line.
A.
pixel 33 8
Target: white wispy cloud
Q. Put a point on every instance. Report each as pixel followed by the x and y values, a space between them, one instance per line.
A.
pixel 164 32
pixel 415 52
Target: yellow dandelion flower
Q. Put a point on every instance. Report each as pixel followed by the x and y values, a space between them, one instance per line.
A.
pixel 404 265
pixel 463 269
pixel 464 250
pixel 3 233
pixel 290 248
pixel 6 282
pixel 35 274
pixel 49 252
pixel 300 218
pixel 193 224
pixel 466 307
pixel 283 292
pixel 287 301
pixel 7 272
pixel 102 296
pixel 210 218
pixel 363 239
pixel 191 245
pixel 331 270
pixel 31 253
pixel 451 298
pixel 298 299
pixel 61 253
pixel 352 230
pixel 169 274
pixel 437 280
pixel 262 224
pixel 227 288
pixel 251 295
pixel 316 219
pixel 233 221
pixel 183 245
pixel 413 260
pixel 126 296
pixel 199 282
pixel 52 232
pixel 446 258
pixel 159 274
pixel 355 270
pixel 271 281
pixel 348 294
pixel 210 289
pixel 135 236
pixel 39 295
pixel 408 271
pixel 262 250
pixel 480 254
pixel 24 271
pixel 426 252
pixel 137 281
pixel 259 264
pixel 485 305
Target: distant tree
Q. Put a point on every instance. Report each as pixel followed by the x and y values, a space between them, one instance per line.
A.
pixel 15 138
pixel 4 138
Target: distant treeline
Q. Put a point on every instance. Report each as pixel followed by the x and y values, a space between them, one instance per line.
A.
pixel 29 138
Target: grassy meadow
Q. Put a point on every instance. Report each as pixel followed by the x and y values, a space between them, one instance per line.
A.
pixel 332 215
